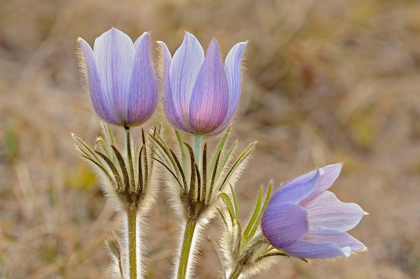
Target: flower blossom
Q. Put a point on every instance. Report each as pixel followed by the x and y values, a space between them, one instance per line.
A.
pixel 120 77
pixel 306 221
pixel 200 93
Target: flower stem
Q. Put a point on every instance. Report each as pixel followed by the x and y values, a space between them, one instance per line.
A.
pixel 197 148
pixel 186 248
pixel 132 242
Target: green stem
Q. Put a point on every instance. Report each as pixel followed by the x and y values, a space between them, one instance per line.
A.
pixel 186 248
pixel 128 143
pixel 197 148
pixel 132 245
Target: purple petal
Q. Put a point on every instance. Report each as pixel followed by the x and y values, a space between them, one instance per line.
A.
pixel 284 224
pixel 297 189
pixel 327 214
pixel 210 97
pixel 99 101
pixel 305 249
pixel 331 173
pixel 143 91
pixel 184 69
pixel 233 64
pixel 114 54
pixel 341 239
pixel 170 107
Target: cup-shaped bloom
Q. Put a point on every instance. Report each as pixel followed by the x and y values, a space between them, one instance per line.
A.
pixel 306 221
pixel 200 93
pixel 120 77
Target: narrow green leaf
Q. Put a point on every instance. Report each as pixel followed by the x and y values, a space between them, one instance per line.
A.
pixel 235 165
pixel 192 187
pixel 225 159
pixel 253 218
pixel 113 169
pixel 235 202
pixel 258 221
pixel 102 168
pixel 223 218
pixel 104 147
pixel 173 174
pixel 146 163
pixel 219 149
pixel 226 199
pixel 213 180
pixel 123 168
pixel 85 146
pixel 182 148
pixel 180 169
pixel 140 171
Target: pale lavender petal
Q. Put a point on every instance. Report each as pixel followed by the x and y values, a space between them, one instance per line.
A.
pixel 341 239
pixel 100 104
pixel 297 189
pixel 169 104
pixel 114 54
pixel 233 65
pixel 331 173
pixel 143 90
pixel 327 214
pixel 305 249
pixel 284 224
pixel 185 65
pixel 210 97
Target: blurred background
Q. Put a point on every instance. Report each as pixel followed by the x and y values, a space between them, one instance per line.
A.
pixel 326 81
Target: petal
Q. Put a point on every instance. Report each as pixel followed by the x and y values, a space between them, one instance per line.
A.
pixel 233 64
pixel 341 239
pixel 284 224
pixel 327 214
pixel 169 104
pixel 143 92
pixel 297 189
pixel 184 69
pixel 114 54
pixel 305 249
pixel 99 101
pixel 210 97
pixel 331 173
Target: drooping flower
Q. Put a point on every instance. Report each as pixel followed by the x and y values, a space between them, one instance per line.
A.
pixel 306 221
pixel 120 76
pixel 200 94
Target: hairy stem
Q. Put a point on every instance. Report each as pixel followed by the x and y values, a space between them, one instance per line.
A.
pixel 197 148
pixel 132 242
pixel 186 248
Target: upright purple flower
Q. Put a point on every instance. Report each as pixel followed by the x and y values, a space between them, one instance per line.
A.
pixel 306 221
pixel 121 79
pixel 201 94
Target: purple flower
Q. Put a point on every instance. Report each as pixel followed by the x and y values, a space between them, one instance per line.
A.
pixel 121 79
pixel 201 94
pixel 306 221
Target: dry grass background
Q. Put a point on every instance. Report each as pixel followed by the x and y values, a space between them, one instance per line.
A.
pixel 327 81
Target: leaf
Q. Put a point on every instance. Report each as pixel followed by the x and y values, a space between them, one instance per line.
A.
pixel 258 221
pixel 219 149
pixel 235 202
pixel 229 206
pixel 182 147
pixel 253 218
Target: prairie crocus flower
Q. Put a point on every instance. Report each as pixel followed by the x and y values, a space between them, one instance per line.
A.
pixel 120 76
pixel 306 221
pixel 201 94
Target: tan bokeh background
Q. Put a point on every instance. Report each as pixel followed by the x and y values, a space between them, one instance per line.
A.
pixel 326 81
